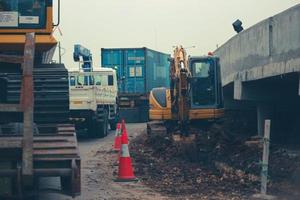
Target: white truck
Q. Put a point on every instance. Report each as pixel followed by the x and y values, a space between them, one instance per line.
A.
pixel 93 101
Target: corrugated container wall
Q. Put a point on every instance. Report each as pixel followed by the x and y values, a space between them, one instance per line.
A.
pixel 139 69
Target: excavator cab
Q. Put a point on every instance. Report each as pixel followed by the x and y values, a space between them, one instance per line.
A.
pixel 205 84
pixel 18 17
pixel 25 16
pixel 206 97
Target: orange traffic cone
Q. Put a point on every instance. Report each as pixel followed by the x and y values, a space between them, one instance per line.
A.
pixel 117 143
pixel 121 132
pixel 123 125
pixel 125 173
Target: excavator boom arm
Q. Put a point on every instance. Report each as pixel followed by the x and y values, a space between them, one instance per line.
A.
pixel 180 73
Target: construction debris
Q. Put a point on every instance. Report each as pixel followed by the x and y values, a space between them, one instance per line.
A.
pixel 219 165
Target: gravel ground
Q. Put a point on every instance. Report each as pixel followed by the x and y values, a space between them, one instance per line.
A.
pixel 216 171
pixel 99 171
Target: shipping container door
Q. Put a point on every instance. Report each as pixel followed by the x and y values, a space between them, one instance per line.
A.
pixel 157 67
pixel 114 58
pixel 135 70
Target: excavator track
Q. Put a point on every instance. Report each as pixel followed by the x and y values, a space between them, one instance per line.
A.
pixel 55 149
pixel 55 154
pixel 156 128
pixel 162 128
pixel 51 94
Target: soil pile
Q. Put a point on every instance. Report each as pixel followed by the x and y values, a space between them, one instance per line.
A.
pixel 223 162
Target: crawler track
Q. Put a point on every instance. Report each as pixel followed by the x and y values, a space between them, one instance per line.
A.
pixel 55 154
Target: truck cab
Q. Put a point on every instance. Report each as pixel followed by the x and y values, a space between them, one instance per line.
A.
pixel 93 100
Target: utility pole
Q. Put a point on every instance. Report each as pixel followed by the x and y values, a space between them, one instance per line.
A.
pixel 265 164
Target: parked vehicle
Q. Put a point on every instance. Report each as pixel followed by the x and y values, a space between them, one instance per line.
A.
pixel 138 70
pixel 93 95
pixel 93 101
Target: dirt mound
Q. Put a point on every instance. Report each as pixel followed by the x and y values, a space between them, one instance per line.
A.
pixel 222 163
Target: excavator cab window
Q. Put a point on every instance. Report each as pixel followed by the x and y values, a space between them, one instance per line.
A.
pixel 23 14
pixel 203 83
pixel 201 69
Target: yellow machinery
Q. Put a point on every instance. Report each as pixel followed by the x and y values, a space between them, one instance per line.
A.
pixel 36 139
pixel 195 91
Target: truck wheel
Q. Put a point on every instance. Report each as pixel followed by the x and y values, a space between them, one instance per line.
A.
pixel 113 125
pixel 92 128
pixel 102 127
pixel 65 184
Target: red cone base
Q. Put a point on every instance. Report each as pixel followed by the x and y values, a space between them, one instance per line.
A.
pixel 125 171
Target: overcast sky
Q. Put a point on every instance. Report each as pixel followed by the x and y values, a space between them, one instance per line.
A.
pixel 157 24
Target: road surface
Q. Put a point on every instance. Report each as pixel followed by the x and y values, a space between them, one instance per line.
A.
pixel 98 171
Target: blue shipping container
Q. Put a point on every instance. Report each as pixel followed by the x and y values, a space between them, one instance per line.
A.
pixel 139 69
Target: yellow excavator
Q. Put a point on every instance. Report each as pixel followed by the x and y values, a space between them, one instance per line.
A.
pixel 195 93
pixel 36 137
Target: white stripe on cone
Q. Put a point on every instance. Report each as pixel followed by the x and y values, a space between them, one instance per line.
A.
pixel 125 151
pixel 117 132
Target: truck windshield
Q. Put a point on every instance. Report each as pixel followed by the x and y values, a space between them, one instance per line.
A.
pixel 101 80
pixel 85 80
pixel 22 14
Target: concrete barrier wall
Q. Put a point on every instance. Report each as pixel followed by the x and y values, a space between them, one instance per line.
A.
pixel 269 48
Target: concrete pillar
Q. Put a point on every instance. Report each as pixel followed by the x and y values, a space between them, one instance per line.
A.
pixel 237 90
pixel 264 111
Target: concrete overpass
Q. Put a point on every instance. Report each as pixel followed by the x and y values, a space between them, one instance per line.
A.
pixel 261 70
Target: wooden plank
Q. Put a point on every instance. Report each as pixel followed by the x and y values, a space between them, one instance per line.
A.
pixel 10 108
pixel 67 134
pixel 9 138
pixel 27 101
pixel 68 129
pixel 65 125
pixel 10 144
pixel 49 152
pixel 54 145
pixel 52 139
pixel 59 159
pixel 11 59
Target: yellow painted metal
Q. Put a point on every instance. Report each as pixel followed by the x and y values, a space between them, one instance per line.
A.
pixel 205 114
pixel 180 74
pixel 17 42
pixel 14 39
pixel 77 102
pixel 157 112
